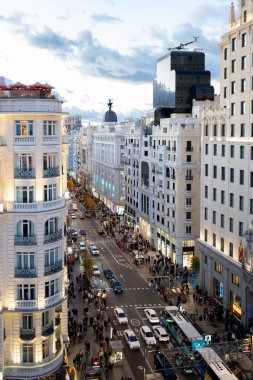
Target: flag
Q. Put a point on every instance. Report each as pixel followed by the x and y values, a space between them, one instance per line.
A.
pixel 240 255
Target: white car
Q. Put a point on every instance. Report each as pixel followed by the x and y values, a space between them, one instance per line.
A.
pixel 95 270
pixel 120 316
pixel 131 339
pixel 82 246
pixel 73 216
pixel 147 336
pixel 94 250
pixel 151 315
pixel 161 334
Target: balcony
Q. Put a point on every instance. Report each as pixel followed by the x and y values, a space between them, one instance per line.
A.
pixel 24 207
pixel 189 193
pixel 53 237
pixel 25 273
pixel 57 203
pixel 53 268
pixel 189 221
pixel 53 299
pixel 27 334
pixel 26 304
pixel 189 177
pixel 51 140
pixel 48 329
pixel 51 172
pixel 24 173
pixel 189 149
pixel 25 240
pixel 24 140
pixel 35 370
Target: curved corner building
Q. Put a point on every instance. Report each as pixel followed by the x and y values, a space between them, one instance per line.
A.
pixel 33 277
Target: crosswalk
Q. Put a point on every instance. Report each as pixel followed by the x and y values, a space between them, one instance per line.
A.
pixel 103 284
pixel 153 305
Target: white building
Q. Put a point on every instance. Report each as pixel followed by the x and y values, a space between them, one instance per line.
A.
pixel 72 126
pixel 163 176
pixel 227 174
pixel 33 278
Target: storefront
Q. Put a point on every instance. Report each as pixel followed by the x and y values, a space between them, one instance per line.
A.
pixel 235 305
pixel 218 290
pixel 188 252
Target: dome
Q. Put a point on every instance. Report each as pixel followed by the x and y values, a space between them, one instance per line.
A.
pixel 110 116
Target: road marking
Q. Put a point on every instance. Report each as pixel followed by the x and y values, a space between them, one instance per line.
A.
pixel 135 322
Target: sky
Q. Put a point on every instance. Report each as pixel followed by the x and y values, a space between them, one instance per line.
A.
pixel 93 50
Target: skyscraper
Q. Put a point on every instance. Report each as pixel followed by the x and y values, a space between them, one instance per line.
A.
pixel 227 174
pixel 33 304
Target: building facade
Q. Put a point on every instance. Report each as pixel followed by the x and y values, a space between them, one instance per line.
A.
pixel 33 279
pixel 227 174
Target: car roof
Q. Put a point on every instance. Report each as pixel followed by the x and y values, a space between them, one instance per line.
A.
pixel 93 246
pixel 150 310
pixel 129 332
pixel 159 327
pixel 119 309
pixel 146 328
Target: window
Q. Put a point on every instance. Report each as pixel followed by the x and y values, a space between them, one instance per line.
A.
pixel 241 229
pixel 51 256
pixel 244 39
pixel 24 162
pixel 242 108
pixel 206 213
pixel 251 152
pixel 223 173
pixel 233 44
pixel 251 179
pixel 49 127
pixel 232 151
pixel 241 152
pixel 225 92
pixel 245 17
pixel 188 229
pixel 242 130
pixel 50 193
pixel 24 194
pixel 214 217
pixel 225 73
pixel 25 260
pixel 206 148
pixel 188 187
pixel 251 130
pixel 206 192
pixel 206 131
pixel 235 279
pixel 45 318
pixel 27 321
pixel 215 149
pixel 25 229
pixel 241 181
pixel 243 85
pixel 222 244
pixel 27 353
pixel 223 150
pixel 25 292
pixel 51 226
pixel 231 225
pixel 251 206
pixel 241 203
pixel 188 201
pixel 214 171
pixel 205 235
pixel 214 240
pixel 222 197
pixel 51 288
pixel 232 109
pixel 188 158
pixel 232 175
pixel 231 249
pixel 233 66
pixel 45 349
pixel 225 54
pixel 215 130
pixel 233 87
pixel 49 161
pixel 223 130
pixel 214 194
pixel 188 215
pixel 231 200
pixel 206 170
pixel 222 221
pixel 24 128
pixel 217 267
pixel 232 130
pixel 243 62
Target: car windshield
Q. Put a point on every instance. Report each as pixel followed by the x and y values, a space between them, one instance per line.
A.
pixel 163 335
pixel 153 315
pixel 133 338
pixel 121 315
pixel 149 334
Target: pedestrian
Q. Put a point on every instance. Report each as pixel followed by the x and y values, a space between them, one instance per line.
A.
pixel 107 339
pixel 114 332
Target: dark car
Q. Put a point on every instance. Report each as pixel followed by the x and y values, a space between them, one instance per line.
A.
pixel 100 231
pixel 163 365
pixel 83 232
pixel 116 286
pixel 108 273
pixel 87 214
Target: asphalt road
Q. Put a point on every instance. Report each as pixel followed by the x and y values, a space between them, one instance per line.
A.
pixel 136 296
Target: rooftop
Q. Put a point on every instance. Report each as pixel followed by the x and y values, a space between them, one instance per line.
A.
pixel 20 90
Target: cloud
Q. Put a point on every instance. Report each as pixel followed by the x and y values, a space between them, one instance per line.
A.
pixel 105 18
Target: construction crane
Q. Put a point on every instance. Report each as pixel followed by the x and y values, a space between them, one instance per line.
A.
pixel 182 46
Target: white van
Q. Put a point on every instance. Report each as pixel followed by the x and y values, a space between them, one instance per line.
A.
pixel 74 207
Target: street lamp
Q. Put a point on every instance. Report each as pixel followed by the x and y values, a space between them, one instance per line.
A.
pixel 144 371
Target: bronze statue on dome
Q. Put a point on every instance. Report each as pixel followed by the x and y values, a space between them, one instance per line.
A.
pixel 110 103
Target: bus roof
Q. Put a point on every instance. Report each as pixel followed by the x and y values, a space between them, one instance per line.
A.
pixel 190 332
pixel 216 364
pixel 171 309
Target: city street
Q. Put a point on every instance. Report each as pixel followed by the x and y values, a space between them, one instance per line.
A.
pixel 137 295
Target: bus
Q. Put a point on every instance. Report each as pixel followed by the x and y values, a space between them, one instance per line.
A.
pixel 183 332
pixel 210 366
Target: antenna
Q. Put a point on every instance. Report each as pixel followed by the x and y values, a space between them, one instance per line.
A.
pixel 182 45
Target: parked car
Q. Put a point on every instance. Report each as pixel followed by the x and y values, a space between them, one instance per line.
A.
pixel 151 315
pixel 131 339
pixel 160 333
pixel 147 336
pixel 83 232
pixel 73 216
pixel 95 270
pixel 120 316
pixel 87 214
pixel 116 286
pixel 82 246
pixel 94 250
pixel 108 273
pixel 163 365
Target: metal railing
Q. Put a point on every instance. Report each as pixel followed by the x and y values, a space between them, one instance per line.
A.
pixel 21 272
pixel 27 334
pixel 53 268
pixel 25 240
pixel 51 172
pixel 53 237
pixel 48 329
pixel 24 173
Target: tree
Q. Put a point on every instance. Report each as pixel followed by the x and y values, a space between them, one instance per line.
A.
pixel 87 264
pixel 195 263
